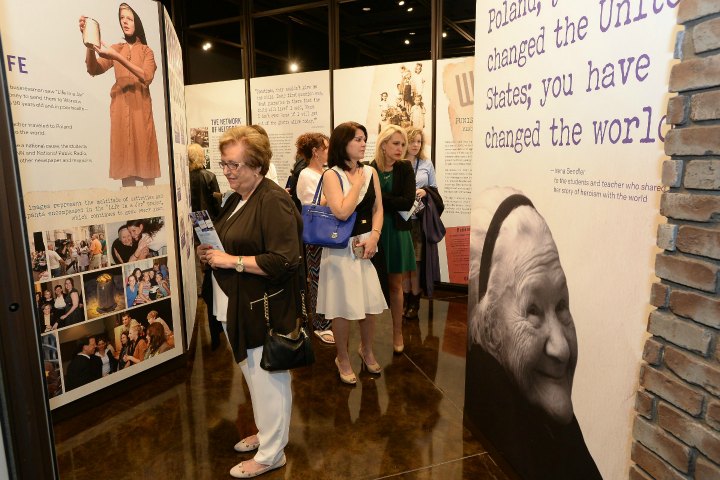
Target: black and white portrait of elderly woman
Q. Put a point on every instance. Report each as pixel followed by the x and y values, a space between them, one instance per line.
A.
pixel 522 345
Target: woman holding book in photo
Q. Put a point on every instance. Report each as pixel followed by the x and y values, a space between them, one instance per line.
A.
pixel 133 142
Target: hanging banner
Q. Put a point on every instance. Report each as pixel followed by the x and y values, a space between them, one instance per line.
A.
pixel 397 94
pixel 212 108
pixel 288 106
pixel 453 163
pixel 90 128
pixel 570 116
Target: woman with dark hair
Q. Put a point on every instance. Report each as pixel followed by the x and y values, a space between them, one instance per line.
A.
pixel 163 284
pixel 143 289
pixel 74 309
pixel 59 303
pixel 84 258
pixel 312 148
pixel 133 142
pixel 157 342
pixel 149 234
pixel 105 354
pixel 131 290
pixel 349 288
pixel 125 342
pixel 123 249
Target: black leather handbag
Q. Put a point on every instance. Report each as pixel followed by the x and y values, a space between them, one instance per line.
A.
pixel 287 351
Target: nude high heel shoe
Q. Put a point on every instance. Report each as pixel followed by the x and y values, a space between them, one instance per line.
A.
pixel 349 379
pixel 370 367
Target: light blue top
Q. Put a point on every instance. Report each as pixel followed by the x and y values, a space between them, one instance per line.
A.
pixel 131 294
pixel 424 173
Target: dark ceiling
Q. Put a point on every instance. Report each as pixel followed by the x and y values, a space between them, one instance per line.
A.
pixel 371 32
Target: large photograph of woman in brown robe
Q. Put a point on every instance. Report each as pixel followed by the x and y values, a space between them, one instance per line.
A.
pixel 133 142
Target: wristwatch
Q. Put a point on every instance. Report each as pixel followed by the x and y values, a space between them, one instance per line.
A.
pixel 239 266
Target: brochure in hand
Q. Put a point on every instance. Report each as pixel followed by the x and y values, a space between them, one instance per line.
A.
pixel 205 229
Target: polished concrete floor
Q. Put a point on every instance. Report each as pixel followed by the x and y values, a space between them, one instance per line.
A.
pixel 407 423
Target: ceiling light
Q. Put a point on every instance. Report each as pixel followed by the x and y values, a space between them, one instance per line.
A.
pixel 407 42
pixel 294 67
pixel 410 9
pixel 207 46
pixel 412 33
pixel 401 2
pixel 366 9
pixel 444 35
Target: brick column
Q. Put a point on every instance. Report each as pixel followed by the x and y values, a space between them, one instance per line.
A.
pixel 676 434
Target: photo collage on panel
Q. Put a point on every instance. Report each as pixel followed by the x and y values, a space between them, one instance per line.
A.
pixel 101 290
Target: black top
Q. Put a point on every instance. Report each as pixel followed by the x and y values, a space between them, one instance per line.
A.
pixel 299 166
pixel 364 210
pixel 82 370
pixel 402 195
pixel 535 446
pixel 203 184
pixel 121 253
pixel 269 228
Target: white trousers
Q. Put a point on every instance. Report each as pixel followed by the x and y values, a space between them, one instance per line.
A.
pixel 271 397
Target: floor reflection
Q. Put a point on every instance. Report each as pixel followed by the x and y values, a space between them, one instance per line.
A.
pixel 405 423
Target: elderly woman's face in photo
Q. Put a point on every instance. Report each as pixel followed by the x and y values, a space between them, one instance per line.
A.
pixel 538 343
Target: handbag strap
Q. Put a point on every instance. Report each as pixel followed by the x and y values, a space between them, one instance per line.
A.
pixel 318 190
pixel 266 309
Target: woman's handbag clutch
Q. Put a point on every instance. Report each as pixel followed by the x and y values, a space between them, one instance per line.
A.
pixel 286 351
pixel 321 227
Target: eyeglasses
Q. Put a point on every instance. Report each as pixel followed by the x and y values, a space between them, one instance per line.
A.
pixel 360 139
pixel 232 166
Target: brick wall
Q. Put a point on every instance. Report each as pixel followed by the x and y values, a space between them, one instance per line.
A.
pixel 676 434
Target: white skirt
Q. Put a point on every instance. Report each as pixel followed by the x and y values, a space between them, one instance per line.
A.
pixel 348 287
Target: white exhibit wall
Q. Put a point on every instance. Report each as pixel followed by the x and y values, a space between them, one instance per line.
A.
pixel 212 108
pixel 455 100
pixel 358 96
pixel 287 106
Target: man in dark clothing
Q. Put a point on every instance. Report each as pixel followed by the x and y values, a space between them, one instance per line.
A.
pixel 85 367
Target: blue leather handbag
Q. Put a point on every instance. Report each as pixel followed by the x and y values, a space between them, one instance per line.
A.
pixel 321 227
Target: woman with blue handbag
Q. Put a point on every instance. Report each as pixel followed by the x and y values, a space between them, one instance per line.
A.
pixel 313 148
pixel 349 288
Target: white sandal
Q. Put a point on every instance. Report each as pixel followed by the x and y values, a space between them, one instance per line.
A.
pixel 321 334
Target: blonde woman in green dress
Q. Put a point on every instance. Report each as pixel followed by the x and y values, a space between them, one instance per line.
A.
pixel 397 183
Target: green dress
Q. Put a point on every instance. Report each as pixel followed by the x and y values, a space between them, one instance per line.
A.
pixel 396 244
